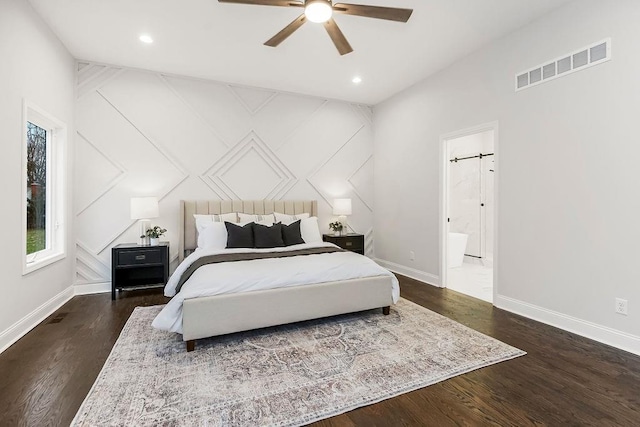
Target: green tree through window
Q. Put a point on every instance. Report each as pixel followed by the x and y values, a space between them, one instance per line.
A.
pixel 36 188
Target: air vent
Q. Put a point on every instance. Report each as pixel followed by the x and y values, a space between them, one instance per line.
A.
pixel 581 59
pixel 59 318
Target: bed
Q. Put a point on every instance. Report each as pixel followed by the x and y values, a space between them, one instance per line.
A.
pixel 207 316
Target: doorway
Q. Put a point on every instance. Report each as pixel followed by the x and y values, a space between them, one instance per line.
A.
pixel 469 211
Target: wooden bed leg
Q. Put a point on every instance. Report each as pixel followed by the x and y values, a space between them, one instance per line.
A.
pixel 386 310
pixel 191 345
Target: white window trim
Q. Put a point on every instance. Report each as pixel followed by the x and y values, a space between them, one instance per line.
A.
pixel 56 186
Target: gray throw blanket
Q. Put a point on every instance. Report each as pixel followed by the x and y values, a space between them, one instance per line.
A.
pixel 248 256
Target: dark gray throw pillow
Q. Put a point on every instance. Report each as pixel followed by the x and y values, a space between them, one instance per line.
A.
pixel 239 237
pixel 291 234
pixel 267 236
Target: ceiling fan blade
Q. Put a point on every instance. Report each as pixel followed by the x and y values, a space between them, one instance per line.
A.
pixel 285 3
pixel 337 37
pixel 379 12
pixel 286 31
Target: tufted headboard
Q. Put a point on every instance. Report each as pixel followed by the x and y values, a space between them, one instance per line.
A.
pixel 188 238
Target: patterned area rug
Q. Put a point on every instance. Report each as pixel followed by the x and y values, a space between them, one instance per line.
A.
pixel 281 376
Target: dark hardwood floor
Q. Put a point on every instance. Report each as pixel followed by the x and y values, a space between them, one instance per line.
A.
pixel 564 380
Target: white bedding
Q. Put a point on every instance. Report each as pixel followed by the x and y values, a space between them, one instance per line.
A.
pixel 261 274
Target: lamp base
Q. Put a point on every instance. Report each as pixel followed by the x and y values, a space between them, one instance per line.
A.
pixel 144 225
pixel 345 224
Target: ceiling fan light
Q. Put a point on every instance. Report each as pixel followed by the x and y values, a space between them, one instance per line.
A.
pixel 146 38
pixel 318 10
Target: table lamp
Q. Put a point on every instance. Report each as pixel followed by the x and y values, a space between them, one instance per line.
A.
pixel 342 208
pixel 143 209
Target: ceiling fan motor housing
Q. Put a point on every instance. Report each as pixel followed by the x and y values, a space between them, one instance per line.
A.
pixel 308 2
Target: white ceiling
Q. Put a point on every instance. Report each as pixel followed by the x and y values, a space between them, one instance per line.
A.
pixel 224 42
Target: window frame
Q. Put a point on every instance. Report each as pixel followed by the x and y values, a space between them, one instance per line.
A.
pixel 55 249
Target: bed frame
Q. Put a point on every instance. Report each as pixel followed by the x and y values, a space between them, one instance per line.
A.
pixel 224 314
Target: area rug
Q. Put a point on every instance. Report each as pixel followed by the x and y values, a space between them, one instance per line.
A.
pixel 282 376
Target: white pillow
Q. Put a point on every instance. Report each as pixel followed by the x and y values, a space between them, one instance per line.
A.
pixel 204 220
pixel 267 219
pixel 289 219
pixel 213 236
pixel 310 231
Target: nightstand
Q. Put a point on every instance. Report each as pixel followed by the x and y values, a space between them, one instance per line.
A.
pixel 351 242
pixel 134 266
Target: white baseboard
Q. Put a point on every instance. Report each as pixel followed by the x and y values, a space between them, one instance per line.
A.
pixel 603 334
pixel 422 276
pixel 92 288
pixel 31 320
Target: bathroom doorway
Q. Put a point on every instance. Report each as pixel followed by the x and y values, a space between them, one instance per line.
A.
pixel 469 207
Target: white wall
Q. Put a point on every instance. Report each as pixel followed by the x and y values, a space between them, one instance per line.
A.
pixel 148 134
pixel 36 66
pixel 567 169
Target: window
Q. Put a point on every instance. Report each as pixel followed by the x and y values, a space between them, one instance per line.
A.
pixel 43 178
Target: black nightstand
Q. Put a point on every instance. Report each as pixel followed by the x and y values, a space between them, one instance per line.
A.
pixel 351 242
pixel 134 266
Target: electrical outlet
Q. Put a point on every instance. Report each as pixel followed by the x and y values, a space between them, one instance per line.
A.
pixel 621 306
pixel 412 255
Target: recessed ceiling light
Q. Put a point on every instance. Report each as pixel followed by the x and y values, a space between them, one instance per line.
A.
pixel 146 38
pixel 357 80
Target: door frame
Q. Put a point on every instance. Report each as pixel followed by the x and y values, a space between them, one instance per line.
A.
pixel 444 195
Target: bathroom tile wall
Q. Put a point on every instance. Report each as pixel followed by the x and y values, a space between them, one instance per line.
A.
pixel 470 185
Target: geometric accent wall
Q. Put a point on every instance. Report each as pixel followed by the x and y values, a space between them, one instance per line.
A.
pixel 148 134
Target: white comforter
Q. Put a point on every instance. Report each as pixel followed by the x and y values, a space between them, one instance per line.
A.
pixel 260 274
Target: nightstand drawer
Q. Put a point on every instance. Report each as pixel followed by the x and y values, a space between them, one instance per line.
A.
pixel 138 257
pixel 350 243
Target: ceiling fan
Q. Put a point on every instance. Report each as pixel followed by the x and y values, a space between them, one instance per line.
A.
pixel 321 11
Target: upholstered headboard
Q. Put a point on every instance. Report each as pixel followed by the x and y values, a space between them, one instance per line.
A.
pixel 188 237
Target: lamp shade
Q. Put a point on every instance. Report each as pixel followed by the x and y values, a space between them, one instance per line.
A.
pixel 342 207
pixel 144 208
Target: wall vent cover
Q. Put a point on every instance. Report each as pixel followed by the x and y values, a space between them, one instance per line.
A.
pixel 581 59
